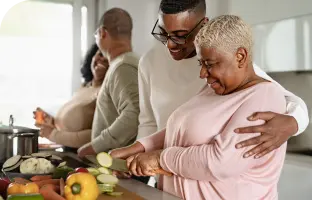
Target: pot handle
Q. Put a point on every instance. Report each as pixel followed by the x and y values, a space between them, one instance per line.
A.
pixel 11 120
pixel 20 135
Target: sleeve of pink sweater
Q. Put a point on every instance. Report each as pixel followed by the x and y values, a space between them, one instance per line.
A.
pixel 221 160
pixel 154 141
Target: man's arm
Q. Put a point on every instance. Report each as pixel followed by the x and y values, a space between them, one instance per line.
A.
pixel 278 128
pixel 147 120
pixel 124 93
pixel 296 107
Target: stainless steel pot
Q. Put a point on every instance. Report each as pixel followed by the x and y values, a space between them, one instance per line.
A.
pixel 17 140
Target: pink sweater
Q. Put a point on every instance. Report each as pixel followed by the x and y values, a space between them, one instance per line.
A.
pixel 199 147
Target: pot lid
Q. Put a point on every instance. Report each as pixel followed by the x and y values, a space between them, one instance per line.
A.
pixel 16 129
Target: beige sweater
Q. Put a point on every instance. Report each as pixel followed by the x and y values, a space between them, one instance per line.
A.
pixel 73 121
pixel 115 122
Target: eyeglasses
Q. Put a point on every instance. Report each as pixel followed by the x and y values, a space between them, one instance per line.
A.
pixel 176 39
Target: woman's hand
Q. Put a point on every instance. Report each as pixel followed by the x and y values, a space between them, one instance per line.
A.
pixel 45 131
pixel 48 120
pixel 144 164
pixel 124 153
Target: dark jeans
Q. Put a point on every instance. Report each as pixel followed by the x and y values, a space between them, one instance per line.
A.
pixel 143 179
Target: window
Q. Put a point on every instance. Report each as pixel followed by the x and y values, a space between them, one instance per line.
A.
pixel 36 61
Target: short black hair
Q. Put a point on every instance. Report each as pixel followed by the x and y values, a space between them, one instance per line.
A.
pixel 178 6
pixel 85 70
pixel 117 22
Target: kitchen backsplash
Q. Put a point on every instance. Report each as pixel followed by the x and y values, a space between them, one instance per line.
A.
pixel 300 83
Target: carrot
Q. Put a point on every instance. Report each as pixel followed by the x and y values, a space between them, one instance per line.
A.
pixel 62 187
pixel 49 194
pixel 55 188
pixel 21 180
pixel 40 178
pixel 50 181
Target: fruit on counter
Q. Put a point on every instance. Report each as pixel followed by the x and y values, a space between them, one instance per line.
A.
pixel 20 180
pixel 46 182
pixel 17 188
pixel 26 197
pixel 41 155
pixel 108 179
pixel 82 170
pixel 50 194
pixel 104 159
pixel 40 178
pixel 62 164
pixel 36 166
pixel 104 170
pixel 62 187
pixel 93 171
pixel 12 163
pixel 81 186
pixel 62 172
pixel 47 162
pixel 4 183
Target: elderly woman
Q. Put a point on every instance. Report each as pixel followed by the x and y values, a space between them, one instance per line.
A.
pixel 198 144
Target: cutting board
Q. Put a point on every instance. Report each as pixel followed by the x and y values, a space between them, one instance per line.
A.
pixel 127 195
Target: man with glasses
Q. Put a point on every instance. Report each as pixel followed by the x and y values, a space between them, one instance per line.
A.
pixel 169 76
pixel 115 122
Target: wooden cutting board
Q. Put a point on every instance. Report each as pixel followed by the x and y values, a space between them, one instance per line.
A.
pixel 127 195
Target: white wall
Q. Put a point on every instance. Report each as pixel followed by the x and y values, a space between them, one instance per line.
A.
pixel 282 32
pixel 144 15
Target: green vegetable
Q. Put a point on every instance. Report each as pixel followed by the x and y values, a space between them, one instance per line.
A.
pixel 93 171
pixel 104 159
pixel 105 178
pixel 104 170
pixel 76 188
pixel 106 188
pixel 115 194
pixel 62 172
pixel 25 197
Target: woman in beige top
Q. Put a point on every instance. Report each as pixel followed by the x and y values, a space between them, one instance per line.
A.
pixel 71 126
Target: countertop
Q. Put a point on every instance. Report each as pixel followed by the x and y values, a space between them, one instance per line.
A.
pixel 141 189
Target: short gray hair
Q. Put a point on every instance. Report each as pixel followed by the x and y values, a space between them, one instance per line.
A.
pixel 226 32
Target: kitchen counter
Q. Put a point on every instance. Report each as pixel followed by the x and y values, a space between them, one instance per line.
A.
pixel 134 186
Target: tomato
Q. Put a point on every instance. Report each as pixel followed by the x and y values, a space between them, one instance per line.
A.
pixel 81 170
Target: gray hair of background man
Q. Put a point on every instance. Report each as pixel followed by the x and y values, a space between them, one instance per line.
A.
pixel 118 23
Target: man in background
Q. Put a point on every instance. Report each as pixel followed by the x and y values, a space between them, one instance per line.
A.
pixel 115 122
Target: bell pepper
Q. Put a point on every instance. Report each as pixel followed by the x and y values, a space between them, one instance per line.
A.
pixel 81 186
pixel 17 188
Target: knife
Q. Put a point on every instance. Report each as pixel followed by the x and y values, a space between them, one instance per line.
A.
pixel 121 165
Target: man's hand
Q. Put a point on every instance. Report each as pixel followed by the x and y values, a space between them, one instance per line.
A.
pixel 86 149
pixel 276 131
